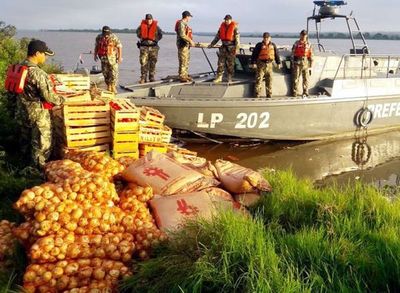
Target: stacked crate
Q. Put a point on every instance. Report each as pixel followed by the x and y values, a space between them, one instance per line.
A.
pixel 73 87
pixel 125 129
pixel 86 125
pixel 153 135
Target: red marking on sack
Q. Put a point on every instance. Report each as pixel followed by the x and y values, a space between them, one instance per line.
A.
pixel 186 209
pixel 156 172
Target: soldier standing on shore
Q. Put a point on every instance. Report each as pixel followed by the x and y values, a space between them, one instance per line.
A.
pixel 228 33
pixel 34 103
pixel 109 49
pixel 302 61
pixel 264 54
pixel 149 34
pixel 184 40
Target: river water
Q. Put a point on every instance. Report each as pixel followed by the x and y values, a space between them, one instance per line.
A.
pixel 375 160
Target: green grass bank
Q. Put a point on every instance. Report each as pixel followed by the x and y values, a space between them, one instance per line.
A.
pixel 298 239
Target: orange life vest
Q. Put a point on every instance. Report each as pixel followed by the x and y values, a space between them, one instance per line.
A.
pixel 105 47
pixel 267 52
pixel 302 49
pixel 16 77
pixel 188 31
pixel 148 32
pixel 226 32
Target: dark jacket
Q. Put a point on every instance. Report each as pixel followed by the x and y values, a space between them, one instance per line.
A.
pixel 257 51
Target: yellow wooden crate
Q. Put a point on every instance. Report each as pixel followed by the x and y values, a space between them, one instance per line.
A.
pixel 74 82
pixel 121 136
pixel 85 136
pixel 155 134
pixel 97 148
pixel 86 113
pixel 78 97
pixel 117 155
pixel 125 146
pixel 144 148
pixel 151 116
pixel 124 115
pixel 186 152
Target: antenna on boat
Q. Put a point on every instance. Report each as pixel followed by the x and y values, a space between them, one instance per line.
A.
pixel 329 9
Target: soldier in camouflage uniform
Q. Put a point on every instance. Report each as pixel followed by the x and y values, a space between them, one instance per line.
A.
pixel 184 42
pixel 109 49
pixel 228 33
pixel 302 58
pixel 263 56
pixel 32 111
pixel 149 34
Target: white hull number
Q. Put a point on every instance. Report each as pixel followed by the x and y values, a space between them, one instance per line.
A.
pixel 243 120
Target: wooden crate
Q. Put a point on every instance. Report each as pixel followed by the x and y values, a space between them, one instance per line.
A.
pixel 125 147
pixel 86 113
pixel 102 148
pixel 71 82
pixel 125 136
pixel 77 97
pixel 117 155
pixel 172 147
pixel 101 94
pixel 144 148
pixel 87 135
pixel 151 116
pixel 155 134
pixel 124 116
pixel 186 152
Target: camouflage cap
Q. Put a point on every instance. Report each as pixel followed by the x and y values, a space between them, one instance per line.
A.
pixel 106 30
pixel 38 46
pixel 266 35
pixel 186 13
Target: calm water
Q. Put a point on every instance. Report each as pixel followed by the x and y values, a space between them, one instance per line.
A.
pixel 376 160
pixel 69 45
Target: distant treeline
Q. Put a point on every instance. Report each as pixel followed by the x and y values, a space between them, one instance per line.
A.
pixel 332 35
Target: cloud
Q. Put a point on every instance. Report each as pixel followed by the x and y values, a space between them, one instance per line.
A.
pixel 253 16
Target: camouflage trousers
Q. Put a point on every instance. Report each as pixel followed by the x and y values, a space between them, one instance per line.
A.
pixel 263 69
pixel 226 57
pixel 148 59
pixel 300 67
pixel 109 68
pixel 183 58
pixel 35 131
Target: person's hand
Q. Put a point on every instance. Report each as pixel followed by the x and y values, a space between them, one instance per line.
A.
pixel 96 58
pixel 119 60
pixel 192 44
pixel 279 66
pixel 252 66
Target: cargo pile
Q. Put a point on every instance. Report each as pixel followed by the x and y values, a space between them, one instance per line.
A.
pixel 7 245
pixel 79 233
pixel 98 124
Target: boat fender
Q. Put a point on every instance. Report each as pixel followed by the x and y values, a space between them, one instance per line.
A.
pixel 363 117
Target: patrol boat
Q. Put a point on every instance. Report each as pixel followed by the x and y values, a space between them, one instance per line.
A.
pixel 347 93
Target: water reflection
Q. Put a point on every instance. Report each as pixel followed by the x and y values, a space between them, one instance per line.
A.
pixel 374 159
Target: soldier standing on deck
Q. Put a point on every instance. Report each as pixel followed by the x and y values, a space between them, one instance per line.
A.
pixel 184 40
pixel 302 61
pixel 109 49
pixel 228 33
pixel 264 54
pixel 149 34
pixel 34 103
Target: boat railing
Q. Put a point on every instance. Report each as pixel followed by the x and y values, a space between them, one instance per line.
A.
pixel 368 66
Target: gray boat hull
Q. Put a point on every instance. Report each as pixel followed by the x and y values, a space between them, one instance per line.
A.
pixel 280 118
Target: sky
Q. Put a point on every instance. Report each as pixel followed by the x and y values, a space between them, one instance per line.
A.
pixel 252 15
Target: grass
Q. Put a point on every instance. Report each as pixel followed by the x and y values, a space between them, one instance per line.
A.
pixel 299 239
